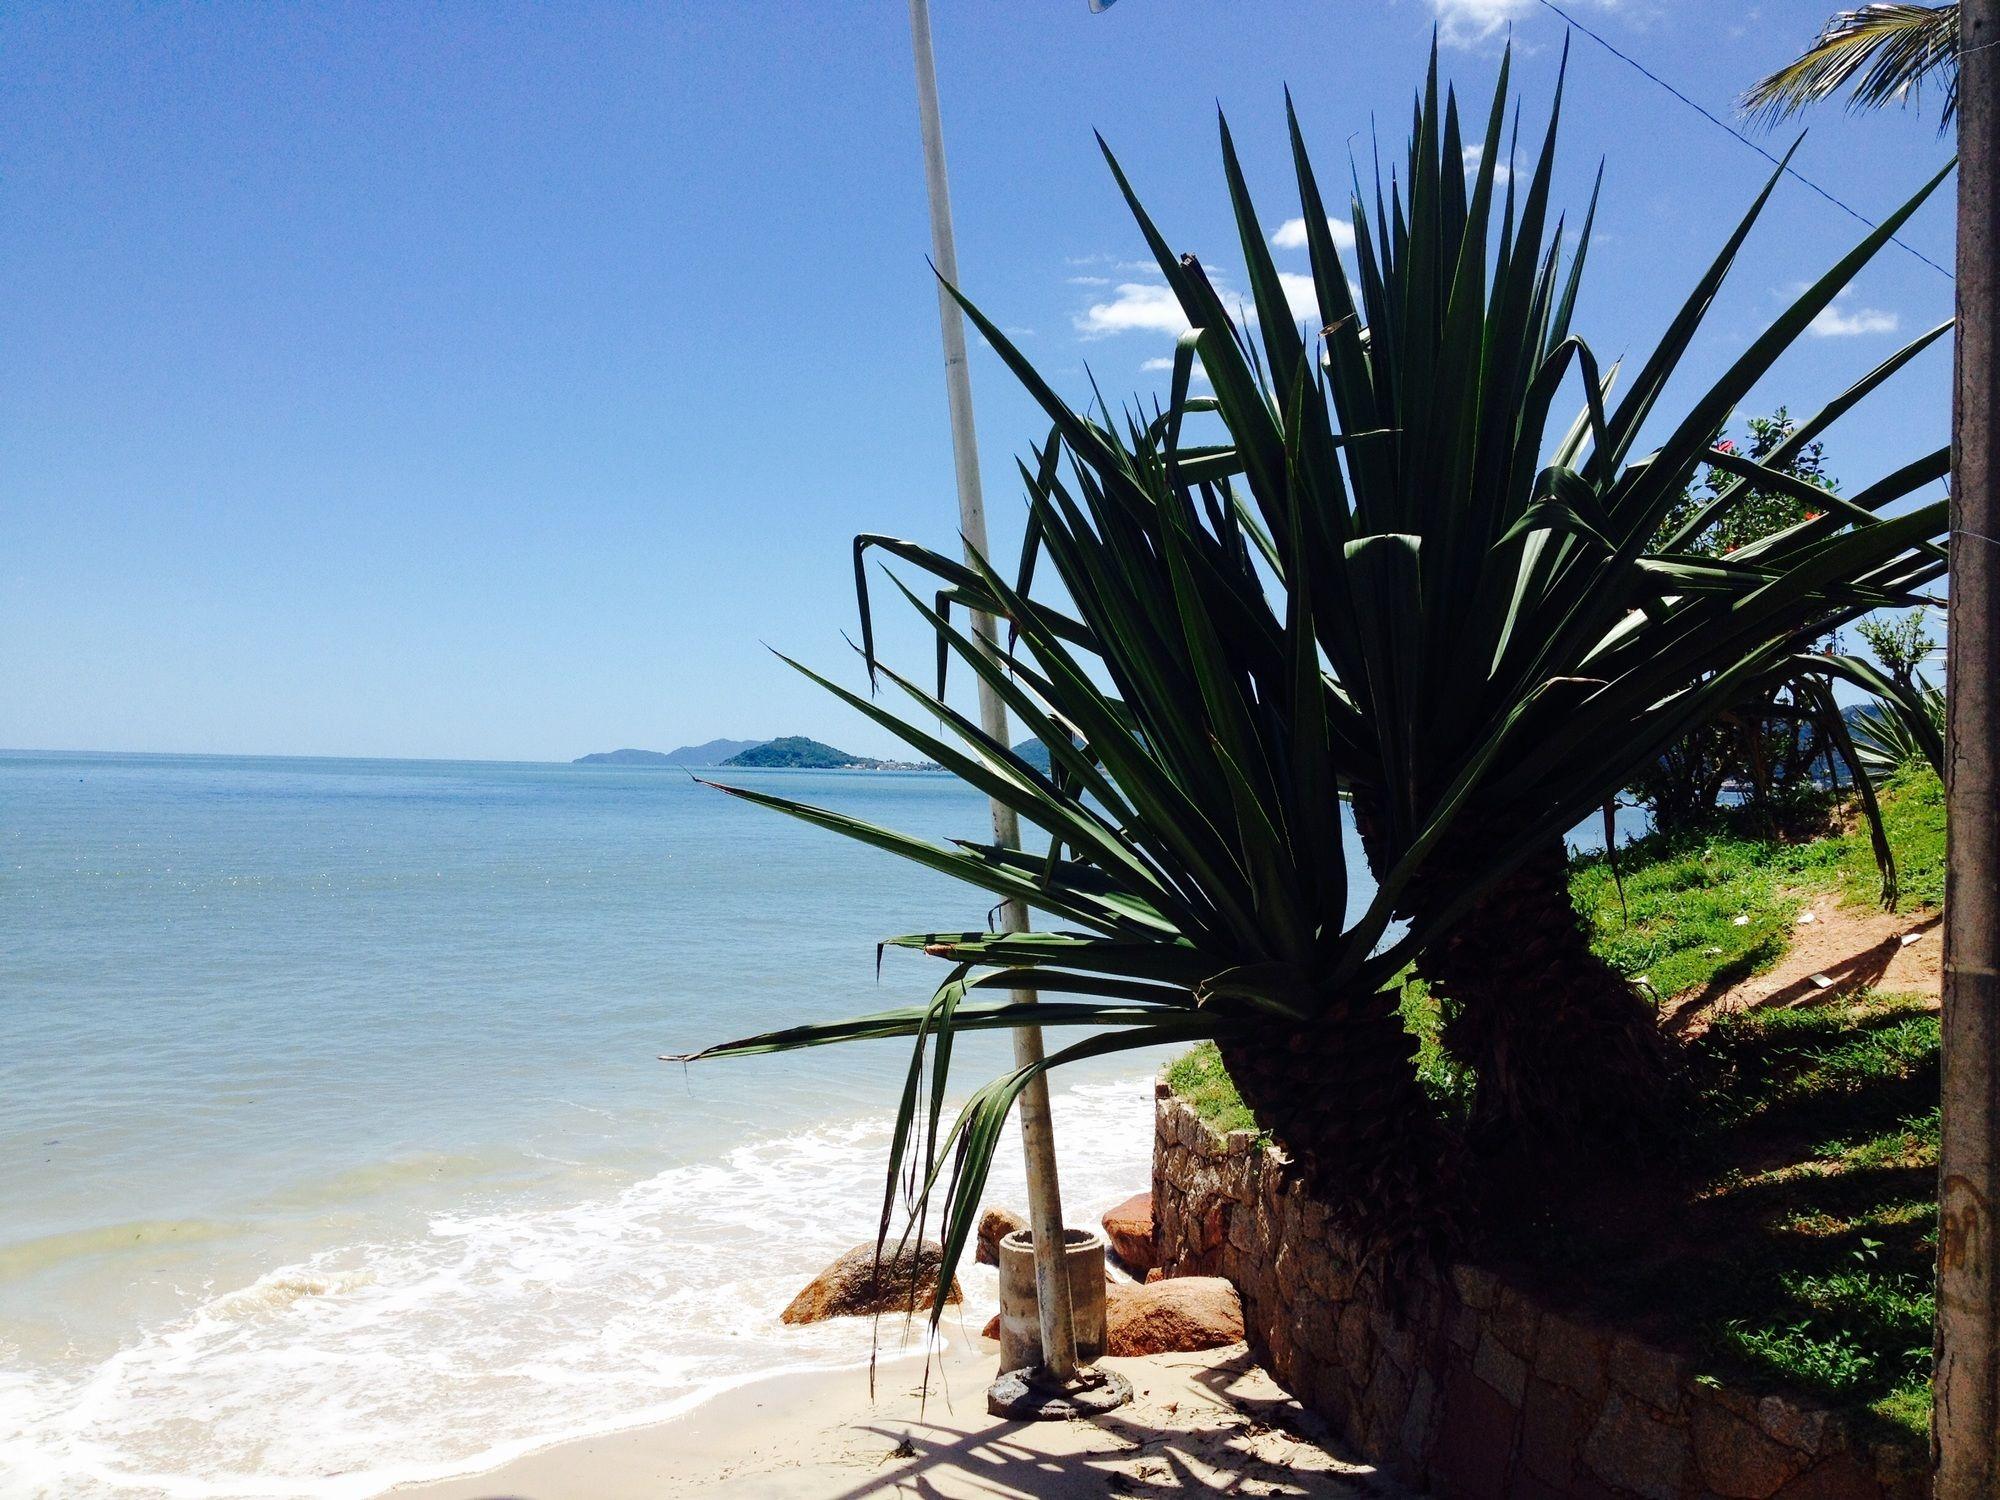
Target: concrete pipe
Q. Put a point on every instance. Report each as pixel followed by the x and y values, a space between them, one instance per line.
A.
pixel 1020 1324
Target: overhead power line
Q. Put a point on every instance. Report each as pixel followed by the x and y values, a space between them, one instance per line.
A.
pixel 1722 124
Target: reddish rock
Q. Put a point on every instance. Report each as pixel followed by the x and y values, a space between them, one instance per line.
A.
pixel 1156 1274
pixel 992 1328
pixel 1475 1437
pixel 1840 1477
pixel 1904 1472
pixel 1633 1450
pixel 1737 1461
pixel 1169 1317
pixel 1553 1424
pixel 1572 1356
pixel 1651 1374
pixel 1129 1228
pixel 1501 1368
pixel 856 1286
pixel 994 1226
pixel 1801 1427
pixel 1477 1289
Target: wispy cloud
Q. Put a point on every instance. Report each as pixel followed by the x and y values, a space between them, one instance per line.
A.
pixel 1163 364
pixel 1838 322
pixel 1089 280
pixel 1466 23
pixel 1501 171
pixel 1291 235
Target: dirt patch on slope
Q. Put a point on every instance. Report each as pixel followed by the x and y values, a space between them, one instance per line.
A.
pixel 1835 950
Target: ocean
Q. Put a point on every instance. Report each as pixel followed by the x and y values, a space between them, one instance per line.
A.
pixel 334 1146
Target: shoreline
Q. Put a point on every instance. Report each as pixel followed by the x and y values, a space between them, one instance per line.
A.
pixel 1208 1422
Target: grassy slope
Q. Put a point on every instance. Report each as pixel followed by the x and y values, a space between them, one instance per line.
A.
pixel 1798 1247
pixel 1818 1145
pixel 1684 895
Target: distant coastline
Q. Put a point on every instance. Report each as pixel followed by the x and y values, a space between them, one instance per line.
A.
pixel 788 752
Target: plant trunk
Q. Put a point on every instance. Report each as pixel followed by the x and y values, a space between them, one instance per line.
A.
pixel 1565 1050
pixel 1341 1096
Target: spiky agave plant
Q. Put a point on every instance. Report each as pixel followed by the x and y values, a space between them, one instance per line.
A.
pixel 1887 739
pixel 1384 579
pixel 1497 604
pixel 1196 868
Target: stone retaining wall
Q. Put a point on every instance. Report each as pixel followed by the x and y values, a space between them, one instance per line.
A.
pixel 1478 1391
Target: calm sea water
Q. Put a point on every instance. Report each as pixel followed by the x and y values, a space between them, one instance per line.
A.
pixel 334 1149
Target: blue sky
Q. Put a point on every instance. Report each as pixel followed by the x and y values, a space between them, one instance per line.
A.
pixel 491 380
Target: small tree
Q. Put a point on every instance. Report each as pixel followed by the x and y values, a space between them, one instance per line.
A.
pixel 1765 745
pixel 1902 643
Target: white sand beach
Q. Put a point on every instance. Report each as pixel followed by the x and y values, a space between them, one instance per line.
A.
pixel 1209 1423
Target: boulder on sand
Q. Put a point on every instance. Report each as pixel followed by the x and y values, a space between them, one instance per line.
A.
pixel 1178 1316
pixel 855 1286
pixel 994 1226
pixel 1129 1228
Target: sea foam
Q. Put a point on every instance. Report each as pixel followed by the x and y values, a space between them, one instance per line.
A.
pixel 503 1329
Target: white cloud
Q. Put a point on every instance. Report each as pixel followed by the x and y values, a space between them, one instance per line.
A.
pixel 1501 171
pixel 1837 322
pixel 1291 235
pixel 1151 307
pixel 1135 307
pixel 1089 281
pixel 1163 365
pixel 1300 294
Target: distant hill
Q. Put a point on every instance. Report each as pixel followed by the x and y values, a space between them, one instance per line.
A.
pixel 623 758
pixel 796 752
pixel 1035 753
pixel 713 753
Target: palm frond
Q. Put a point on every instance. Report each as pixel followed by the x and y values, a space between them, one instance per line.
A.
pixel 1888 52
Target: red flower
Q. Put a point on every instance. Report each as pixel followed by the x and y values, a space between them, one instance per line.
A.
pixel 1725 446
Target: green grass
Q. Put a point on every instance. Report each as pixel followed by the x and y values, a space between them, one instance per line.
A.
pixel 1677 927
pixel 1913 814
pixel 1816 1145
pixel 1200 1079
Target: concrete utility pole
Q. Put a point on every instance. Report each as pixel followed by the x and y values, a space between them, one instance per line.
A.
pixel 1966 1428
pixel 1045 1214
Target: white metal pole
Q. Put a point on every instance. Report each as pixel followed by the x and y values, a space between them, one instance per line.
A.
pixel 1037 1133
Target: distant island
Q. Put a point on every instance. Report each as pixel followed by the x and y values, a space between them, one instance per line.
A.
pixel 1035 753
pixel 794 752
pixel 712 753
